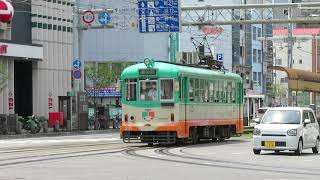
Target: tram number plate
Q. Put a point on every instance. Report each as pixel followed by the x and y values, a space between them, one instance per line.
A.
pixel 269 144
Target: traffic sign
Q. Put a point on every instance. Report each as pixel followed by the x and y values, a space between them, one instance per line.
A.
pixel 77 74
pixel 219 57
pixel 159 16
pixel 76 64
pixel 104 18
pixel 88 16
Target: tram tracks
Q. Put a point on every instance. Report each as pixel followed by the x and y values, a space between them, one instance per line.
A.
pixel 166 154
pixel 58 152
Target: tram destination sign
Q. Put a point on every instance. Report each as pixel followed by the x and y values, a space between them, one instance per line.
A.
pixel 147 72
pixel 159 16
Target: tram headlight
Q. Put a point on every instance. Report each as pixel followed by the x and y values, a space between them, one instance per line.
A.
pixel 131 118
pixel 126 117
pixel 256 131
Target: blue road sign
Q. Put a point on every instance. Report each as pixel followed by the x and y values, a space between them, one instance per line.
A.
pixel 77 74
pixel 159 16
pixel 77 64
pixel 104 18
pixel 219 57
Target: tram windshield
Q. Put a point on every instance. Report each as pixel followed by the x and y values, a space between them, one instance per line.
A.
pixel 166 89
pixel 148 90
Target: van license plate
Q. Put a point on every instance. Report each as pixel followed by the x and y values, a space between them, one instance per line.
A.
pixel 269 144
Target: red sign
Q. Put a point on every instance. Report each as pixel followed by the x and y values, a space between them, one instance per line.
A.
pixel 88 16
pixel 3 49
pixel 212 30
pixel 11 103
pixel 6 11
pixel 50 103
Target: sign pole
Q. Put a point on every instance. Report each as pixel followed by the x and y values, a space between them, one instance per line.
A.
pixel 76 55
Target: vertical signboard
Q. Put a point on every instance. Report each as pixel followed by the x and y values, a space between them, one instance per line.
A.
pixel 159 16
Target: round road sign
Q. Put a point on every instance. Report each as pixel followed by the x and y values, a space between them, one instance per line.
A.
pixel 88 16
pixel 77 74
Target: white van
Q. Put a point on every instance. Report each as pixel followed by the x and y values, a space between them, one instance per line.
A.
pixel 287 128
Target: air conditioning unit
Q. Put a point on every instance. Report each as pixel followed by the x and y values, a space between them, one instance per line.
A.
pixel 187 57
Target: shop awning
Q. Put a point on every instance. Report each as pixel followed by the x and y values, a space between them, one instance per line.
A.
pixel 300 80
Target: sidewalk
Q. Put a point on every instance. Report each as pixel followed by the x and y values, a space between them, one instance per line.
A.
pixel 53 134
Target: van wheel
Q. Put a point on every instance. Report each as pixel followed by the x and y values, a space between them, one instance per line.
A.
pixel 315 149
pixel 299 148
pixel 257 151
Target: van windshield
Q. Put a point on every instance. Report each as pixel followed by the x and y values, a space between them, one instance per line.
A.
pixel 281 117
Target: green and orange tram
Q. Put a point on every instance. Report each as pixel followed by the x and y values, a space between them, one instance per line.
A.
pixel 166 103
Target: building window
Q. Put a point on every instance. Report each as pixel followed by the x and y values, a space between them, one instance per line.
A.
pixel 54 18
pixel 64 28
pixel 33 15
pixel 59 19
pixel 54 1
pixel 300 61
pixel 45 26
pixel 49 17
pixel 259 78
pixel 63 3
pixel 39 25
pixel 254 57
pixel 34 24
pixel 44 17
pixel 254 33
pixel 69 29
pixel 39 15
pixel 59 28
pixel 259 56
pixel 49 26
pixel 64 20
pixel 259 32
pixel 54 27
pixel 59 2
pixel 279 62
pixel 201 0
pixel 254 78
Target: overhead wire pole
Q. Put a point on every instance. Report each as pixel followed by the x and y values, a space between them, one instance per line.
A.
pixel 290 55
pixel 219 15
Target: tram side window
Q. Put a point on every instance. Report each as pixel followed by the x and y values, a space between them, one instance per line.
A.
pixel 211 91
pixel 197 90
pixel 131 89
pixel 202 90
pixel 233 92
pixel 191 90
pixel 166 89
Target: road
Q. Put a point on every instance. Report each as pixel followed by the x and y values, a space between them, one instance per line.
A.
pixel 104 156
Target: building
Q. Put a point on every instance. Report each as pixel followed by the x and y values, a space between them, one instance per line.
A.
pixel 305 57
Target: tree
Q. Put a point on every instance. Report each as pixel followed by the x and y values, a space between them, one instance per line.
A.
pixel 277 91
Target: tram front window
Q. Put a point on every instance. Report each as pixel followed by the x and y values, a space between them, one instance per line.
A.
pixel 148 90
pixel 166 89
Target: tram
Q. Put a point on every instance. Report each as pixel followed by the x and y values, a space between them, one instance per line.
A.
pixel 166 103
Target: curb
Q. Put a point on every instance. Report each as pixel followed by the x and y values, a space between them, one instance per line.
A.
pixel 56 134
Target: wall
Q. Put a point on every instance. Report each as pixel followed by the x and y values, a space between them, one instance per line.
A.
pixel 51 27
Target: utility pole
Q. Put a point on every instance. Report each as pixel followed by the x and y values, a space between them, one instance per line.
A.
pixel 290 44
pixel 77 30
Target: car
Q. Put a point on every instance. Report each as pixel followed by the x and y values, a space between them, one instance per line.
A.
pixel 287 128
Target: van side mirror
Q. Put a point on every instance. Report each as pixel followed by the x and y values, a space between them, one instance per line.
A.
pixel 307 121
pixel 257 120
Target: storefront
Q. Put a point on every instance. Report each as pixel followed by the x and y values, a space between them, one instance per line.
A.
pixel 16 78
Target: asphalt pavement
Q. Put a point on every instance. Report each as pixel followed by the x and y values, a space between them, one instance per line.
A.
pixel 104 156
